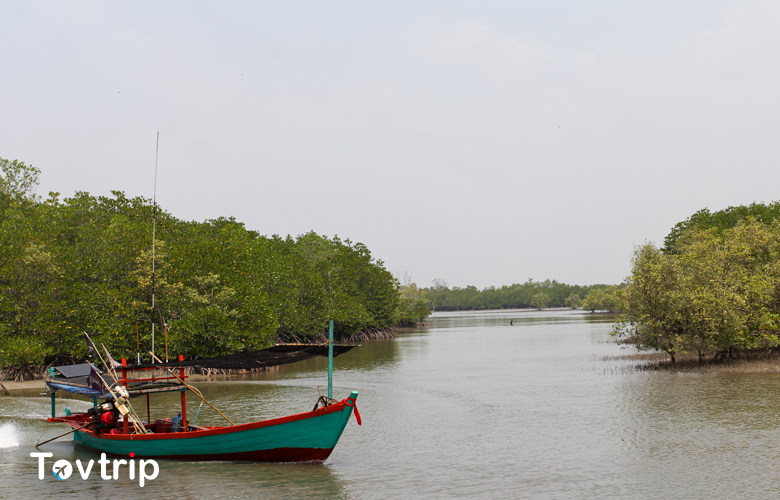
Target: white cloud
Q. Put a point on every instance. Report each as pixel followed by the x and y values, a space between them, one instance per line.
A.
pixel 584 64
pixel 475 43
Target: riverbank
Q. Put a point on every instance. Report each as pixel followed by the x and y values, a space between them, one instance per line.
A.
pixel 26 385
pixel 747 362
pixel 510 309
pixel 37 372
pixel 361 336
pixel 16 388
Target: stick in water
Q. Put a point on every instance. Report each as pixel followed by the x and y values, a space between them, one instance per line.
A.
pixel 65 434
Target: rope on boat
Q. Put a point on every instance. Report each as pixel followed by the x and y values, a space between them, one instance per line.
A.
pixel 353 404
pixel 325 401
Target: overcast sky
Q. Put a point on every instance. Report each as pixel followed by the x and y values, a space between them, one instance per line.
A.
pixel 479 142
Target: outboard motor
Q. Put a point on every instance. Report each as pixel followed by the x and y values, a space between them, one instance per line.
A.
pixel 105 416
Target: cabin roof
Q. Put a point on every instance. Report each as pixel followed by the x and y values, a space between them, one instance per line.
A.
pixel 73 371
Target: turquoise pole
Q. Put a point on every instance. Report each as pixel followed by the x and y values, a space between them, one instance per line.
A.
pixel 330 360
pixel 52 406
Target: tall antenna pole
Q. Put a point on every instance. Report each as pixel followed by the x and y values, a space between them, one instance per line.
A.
pixel 330 359
pixel 154 230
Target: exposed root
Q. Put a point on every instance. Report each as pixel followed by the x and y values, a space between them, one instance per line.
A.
pixel 362 336
pixel 748 361
pixel 20 373
pixel 36 372
pixel 215 372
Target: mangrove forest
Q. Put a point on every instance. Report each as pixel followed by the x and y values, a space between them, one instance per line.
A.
pixel 712 290
pixel 531 294
pixel 84 264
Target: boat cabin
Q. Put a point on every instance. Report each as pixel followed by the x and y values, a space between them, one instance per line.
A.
pixel 85 379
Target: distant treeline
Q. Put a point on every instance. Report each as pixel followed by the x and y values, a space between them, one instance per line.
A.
pixel 85 264
pixel 531 294
pixel 713 288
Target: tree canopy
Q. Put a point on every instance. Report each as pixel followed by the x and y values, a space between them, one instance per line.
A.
pixel 600 299
pixel 84 263
pixel 412 304
pixel 548 293
pixel 722 220
pixel 716 289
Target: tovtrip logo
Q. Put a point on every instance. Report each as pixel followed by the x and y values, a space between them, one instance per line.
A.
pixel 62 469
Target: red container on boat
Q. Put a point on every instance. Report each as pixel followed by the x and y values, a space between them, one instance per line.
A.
pixel 162 425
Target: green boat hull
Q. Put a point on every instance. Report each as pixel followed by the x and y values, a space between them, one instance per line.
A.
pixel 302 437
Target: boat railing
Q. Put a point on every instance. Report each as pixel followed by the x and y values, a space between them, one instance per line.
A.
pixel 124 369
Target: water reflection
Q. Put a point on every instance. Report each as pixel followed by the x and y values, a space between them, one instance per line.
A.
pixel 518 317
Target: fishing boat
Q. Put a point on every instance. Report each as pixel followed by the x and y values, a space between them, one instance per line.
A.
pixel 308 436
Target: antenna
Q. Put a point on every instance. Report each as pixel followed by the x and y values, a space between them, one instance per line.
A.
pixel 154 230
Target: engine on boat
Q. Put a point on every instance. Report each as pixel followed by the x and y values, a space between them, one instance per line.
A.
pixel 105 417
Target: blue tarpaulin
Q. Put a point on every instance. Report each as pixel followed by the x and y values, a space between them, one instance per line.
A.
pixel 78 390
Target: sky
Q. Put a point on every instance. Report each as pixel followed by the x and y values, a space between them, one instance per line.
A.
pixel 483 143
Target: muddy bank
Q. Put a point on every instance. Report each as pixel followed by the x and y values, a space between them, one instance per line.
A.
pixel 36 373
pixel 24 388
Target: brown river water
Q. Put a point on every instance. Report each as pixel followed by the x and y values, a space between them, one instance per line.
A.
pixel 468 408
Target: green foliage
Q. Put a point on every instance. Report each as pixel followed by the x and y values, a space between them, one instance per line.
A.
pixel 517 296
pixel 18 180
pixel 22 351
pixel 85 264
pixel 540 300
pixel 722 220
pixel 600 299
pixel 718 289
pixel 574 301
pixel 412 304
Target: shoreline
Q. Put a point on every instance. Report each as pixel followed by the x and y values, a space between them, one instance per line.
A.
pixel 38 371
pixel 522 310
pixel 643 362
pixel 751 362
pixel 40 384
pixel 26 385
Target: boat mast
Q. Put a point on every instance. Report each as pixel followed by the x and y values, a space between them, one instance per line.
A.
pixel 330 359
pixel 154 230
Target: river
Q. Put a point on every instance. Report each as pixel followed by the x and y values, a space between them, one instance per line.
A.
pixel 470 407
